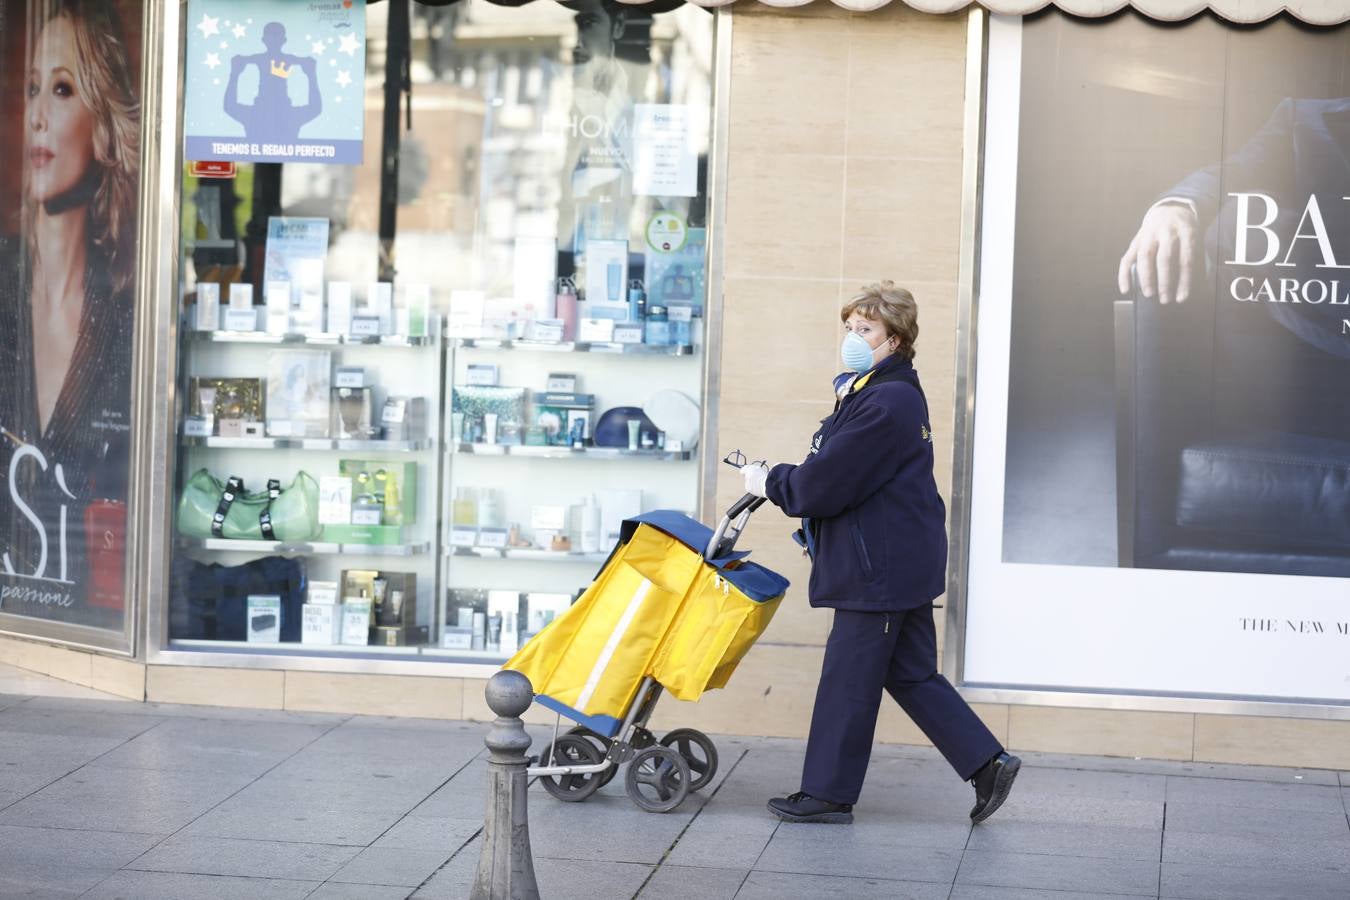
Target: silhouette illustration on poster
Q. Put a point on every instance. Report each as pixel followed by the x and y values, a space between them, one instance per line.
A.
pixel 271 118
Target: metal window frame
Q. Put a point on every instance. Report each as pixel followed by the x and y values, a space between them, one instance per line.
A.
pixel 967 341
pixel 160 229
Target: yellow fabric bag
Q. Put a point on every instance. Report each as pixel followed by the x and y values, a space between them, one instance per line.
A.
pixel 656 608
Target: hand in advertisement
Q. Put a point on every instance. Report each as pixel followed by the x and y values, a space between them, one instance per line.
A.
pixel 1161 253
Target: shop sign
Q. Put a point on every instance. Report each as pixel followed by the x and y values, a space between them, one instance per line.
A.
pixel 275 82
pixel 202 168
pixel 1159 501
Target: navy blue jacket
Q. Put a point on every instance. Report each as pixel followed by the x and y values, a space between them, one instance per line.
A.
pixel 877 524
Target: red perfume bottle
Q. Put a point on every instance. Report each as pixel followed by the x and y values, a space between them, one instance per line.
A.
pixel 105 535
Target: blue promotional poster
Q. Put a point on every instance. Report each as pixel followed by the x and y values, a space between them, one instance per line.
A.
pixel 272 81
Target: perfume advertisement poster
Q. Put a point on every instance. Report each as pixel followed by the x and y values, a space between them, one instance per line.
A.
pixel 275 82
pixel 1162 426
pixel 69 85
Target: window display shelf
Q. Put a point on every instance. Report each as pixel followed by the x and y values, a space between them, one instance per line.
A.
pixel 324 338
pixel 292 648
pixel 281 443
pixel 578 347
pixel 495 656
pixel 530 452
pixel 307 548
pixel 527 555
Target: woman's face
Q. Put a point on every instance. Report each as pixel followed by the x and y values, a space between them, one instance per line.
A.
pixel 60 133
pixel 871 330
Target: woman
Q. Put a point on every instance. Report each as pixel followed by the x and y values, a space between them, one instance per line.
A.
pixel 66 303
pixel 874 525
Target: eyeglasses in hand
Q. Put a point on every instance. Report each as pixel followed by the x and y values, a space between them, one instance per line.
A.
pixel 737 460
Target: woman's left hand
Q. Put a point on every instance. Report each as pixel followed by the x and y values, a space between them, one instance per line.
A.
pixel 756 475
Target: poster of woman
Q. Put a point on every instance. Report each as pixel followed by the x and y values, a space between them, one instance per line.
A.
pixel 67 272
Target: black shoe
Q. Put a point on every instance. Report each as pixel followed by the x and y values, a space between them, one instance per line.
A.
pixel 992 784
pixel 803 808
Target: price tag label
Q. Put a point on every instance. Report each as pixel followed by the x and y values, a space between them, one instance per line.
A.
pixel 365 326
pixel 349 377
pixel 680 313
pixel 493 538
pixel 197 426
pixel 627 334
pixel 241 320
pixel 366 515
pixel 463 537
pixel 457 639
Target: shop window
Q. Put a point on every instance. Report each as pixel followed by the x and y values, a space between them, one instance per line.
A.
pixel 438 340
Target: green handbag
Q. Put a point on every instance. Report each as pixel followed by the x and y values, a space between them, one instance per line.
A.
pixel 209 509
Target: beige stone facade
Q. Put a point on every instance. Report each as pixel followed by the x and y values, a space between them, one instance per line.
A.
pixel 845 166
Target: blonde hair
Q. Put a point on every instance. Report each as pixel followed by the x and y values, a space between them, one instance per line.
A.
pixel 894 307
pixel 103 76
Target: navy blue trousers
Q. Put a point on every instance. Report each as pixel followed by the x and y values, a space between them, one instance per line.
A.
pixel 897 651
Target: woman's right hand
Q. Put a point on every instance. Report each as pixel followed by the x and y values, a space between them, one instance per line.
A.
pixel 756 476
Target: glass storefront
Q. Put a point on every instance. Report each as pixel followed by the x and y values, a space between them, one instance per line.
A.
pixel 69 188
pixel 442 320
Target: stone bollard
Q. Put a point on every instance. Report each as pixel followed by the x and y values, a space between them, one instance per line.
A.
pixel 506 866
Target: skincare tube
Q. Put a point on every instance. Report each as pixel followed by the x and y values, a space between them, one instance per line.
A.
pixel 489 428
pixel 381 590
pixel 634 427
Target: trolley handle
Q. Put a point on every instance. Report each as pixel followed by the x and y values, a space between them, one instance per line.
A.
pixel 729 530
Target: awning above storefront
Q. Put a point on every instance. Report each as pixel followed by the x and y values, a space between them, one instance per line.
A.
pixel 1314 12
pixel 1246 12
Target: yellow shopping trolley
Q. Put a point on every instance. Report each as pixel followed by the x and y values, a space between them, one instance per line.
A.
pixel 674 608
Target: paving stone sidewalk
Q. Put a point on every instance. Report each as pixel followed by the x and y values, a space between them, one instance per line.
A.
pixel 107 800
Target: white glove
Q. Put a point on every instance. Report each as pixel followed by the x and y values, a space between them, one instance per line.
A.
pixel 756 475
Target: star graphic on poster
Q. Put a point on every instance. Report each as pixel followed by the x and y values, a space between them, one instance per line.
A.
pixel 344 79
pixel 317 48
pixel 208 26
pixel 216 82
pixel 349 44
pixel 238 31
pixel 332 61
pixel 224 45
pixel 212 60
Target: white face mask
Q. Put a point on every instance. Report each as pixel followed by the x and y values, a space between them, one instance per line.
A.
pixel 858 355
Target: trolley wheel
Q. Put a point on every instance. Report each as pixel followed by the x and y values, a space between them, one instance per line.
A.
pixel 594 736
pixel 657 779
pixel 571 750
pixel 698 751
pixel 604 744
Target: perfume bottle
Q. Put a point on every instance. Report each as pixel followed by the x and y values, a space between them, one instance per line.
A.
pixel 658 326
pixel 566 307
pixel 637 300
pixel 105 541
